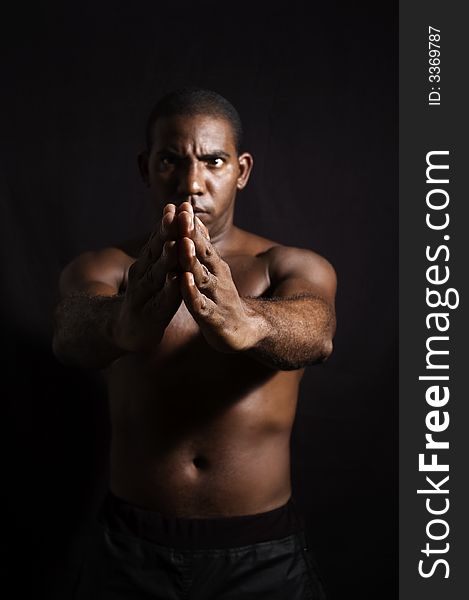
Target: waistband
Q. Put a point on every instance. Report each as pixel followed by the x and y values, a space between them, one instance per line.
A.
pixel 202 533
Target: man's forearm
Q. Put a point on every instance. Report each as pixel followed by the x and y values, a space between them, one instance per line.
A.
pixel 83 334
pixel 291 332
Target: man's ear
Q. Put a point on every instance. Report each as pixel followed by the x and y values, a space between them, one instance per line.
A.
pixel 143 167
pixel 246 163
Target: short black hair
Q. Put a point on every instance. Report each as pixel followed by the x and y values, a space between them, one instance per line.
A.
pixel 195 101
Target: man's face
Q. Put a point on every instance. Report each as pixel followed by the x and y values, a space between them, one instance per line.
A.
pixel 194 159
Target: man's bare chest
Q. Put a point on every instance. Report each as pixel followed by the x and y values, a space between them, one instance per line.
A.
pixel 250 276
pixel 184 365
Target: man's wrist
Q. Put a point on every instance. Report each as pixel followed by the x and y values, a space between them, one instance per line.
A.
pixel 255 327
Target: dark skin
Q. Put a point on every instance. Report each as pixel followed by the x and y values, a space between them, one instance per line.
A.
pixel 204 331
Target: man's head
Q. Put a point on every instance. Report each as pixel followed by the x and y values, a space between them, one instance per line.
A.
pixel 191 102
pixel 193 155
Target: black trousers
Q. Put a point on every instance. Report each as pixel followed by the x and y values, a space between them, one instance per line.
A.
pixel 141 555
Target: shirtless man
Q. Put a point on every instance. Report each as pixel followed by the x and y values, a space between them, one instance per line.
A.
pixel 204 331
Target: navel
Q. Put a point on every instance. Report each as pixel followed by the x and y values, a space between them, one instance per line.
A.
pixel 200 462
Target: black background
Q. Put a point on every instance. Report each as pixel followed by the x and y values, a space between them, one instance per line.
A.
pixel 316 87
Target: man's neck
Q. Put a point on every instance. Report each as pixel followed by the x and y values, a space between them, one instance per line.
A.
pixel 223 238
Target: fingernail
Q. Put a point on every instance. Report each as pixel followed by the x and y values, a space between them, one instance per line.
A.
pixel 192 249
pixel 191 279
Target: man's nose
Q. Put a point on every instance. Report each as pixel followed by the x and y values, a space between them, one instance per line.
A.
pixel 191 181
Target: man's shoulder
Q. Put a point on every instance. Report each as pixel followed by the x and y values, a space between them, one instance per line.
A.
pixel 290 263
pixel 106 264
pixel 251 244
pixel 132 247
pixel 108 257
pixel 284 256
pixel 101 268
pixel 120 254
pixel 277 253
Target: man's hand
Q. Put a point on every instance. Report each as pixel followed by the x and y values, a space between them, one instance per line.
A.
pixel 208 289
pixel 290 333
pixel 152 296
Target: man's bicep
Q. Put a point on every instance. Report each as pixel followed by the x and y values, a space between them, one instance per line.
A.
pixel 98 273
pixel 294 271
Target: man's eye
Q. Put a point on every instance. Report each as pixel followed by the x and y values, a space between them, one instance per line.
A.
pixel 215 161
pixel 165 162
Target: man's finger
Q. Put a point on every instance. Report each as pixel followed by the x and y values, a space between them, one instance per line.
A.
pixel 169 221
pixel 185 221
pixel 207 253
pixel 165 230
pixel 205 281
pixel 163 305
pixel 186 254
pixel 185 207
pixel 168 261
pixel 199 223
pixel 201 308
pixel 153 279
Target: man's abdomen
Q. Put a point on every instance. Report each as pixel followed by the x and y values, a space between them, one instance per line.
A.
pixel 191 443
pixel 195 481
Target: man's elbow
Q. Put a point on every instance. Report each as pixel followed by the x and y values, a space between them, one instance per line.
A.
pixel 62 353
pixel 321 351
pixel 58 350
pixel 317 354
pixel 70 357
pixel 327 337
pixel 324 351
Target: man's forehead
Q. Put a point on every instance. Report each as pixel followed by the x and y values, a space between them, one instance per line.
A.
pixel 193 130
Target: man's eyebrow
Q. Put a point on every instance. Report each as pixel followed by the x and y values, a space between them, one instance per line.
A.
pixel 215 153
pixel 210 154
pixel 167 151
